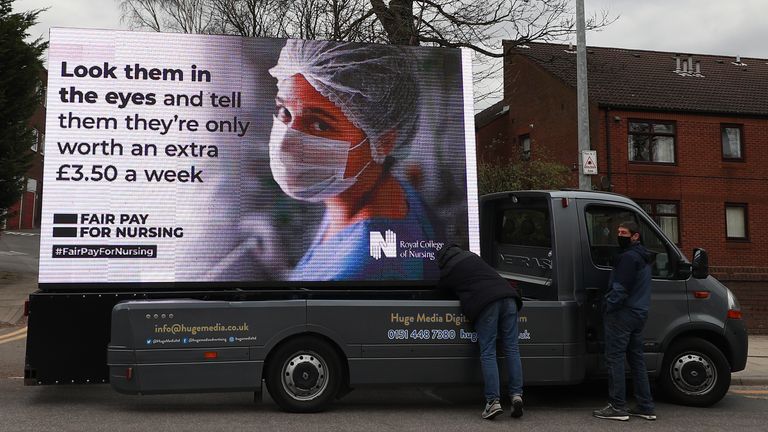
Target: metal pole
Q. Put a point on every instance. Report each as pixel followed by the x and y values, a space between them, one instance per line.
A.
pixel 582 98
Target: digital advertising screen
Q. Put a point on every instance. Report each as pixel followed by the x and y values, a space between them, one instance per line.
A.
pixel 175 159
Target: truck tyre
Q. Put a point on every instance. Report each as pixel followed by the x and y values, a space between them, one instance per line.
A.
pixel 695 373
pixel 304 375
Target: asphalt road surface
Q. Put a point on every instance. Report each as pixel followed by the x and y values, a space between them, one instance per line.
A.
pixel 99 408
pixel 19 252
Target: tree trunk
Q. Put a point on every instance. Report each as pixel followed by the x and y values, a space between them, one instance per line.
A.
pixel 397 20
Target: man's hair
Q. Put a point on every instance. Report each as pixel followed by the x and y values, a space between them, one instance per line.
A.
pixel 631 226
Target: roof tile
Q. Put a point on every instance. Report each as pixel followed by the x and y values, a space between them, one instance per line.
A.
pixel 641 79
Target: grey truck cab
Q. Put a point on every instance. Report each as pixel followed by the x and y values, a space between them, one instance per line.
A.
pixel 312 345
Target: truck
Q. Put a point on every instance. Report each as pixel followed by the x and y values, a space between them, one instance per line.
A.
pixel 172 239
pixel 311 346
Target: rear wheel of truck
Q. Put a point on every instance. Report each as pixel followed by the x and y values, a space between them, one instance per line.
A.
pixel 695 373
pixel 304 375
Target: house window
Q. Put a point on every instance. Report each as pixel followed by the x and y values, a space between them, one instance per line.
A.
pixel 651 141
pixel 736 221
pixel 732 137
pixel 666 215
pixel 35 139
pixel 525 147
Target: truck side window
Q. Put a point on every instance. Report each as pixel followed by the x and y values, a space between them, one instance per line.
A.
pixel 602 225
pixel 526 227
pixel 662 267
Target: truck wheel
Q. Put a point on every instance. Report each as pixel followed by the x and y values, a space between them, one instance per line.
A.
pixel 695 373
pixel 304 375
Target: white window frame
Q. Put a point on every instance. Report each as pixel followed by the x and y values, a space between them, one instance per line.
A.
pixel 732 231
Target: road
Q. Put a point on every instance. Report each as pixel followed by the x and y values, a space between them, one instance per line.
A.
pixel 19 252
pixel 99 408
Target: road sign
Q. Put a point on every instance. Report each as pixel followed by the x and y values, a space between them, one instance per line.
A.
pixel 589 162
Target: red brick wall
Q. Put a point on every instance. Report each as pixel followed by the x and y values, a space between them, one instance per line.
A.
pixel 545 107
pixel 702 183
pixel 492 139
pixel 35 171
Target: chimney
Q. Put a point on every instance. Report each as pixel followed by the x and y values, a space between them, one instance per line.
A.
pixel 738 59
pixel 690 63
pixel 698 68
pixel 677 63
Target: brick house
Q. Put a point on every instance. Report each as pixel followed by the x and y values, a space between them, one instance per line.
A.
pixel 26 213
pixel 684 135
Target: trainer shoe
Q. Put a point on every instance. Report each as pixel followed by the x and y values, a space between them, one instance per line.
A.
pixel 517 406
pixel 492 409
pixel 636 412
pixel 611 413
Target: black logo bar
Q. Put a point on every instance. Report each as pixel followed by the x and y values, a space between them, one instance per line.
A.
pixel 65 232
pixel 65 218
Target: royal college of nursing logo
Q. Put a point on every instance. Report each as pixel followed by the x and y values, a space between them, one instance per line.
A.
pixel 386 244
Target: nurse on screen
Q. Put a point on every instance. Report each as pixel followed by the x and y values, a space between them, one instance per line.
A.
pixel 344 115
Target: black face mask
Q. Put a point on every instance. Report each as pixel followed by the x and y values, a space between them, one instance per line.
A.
pixel 624 242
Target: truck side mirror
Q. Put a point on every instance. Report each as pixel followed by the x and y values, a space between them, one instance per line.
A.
pixel 684 269
pixel 700 263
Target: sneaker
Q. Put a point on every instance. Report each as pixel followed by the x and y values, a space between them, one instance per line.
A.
pixel 611 413
pixel 517 406
pixel 492 409
pixel 648 415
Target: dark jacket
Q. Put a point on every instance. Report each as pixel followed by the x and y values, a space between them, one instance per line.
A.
pixel 629 286
pixel 475 282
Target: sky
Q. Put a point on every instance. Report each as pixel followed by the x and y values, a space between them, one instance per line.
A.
pixel 724 27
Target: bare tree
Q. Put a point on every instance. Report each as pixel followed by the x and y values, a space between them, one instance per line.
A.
pixel 252 17
pixel 185 16
pixel 480 25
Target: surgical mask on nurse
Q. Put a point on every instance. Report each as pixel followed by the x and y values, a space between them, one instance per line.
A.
pixel 308 167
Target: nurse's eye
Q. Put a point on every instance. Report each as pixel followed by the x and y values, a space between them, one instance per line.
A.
pixel 320 126
pixel 282 114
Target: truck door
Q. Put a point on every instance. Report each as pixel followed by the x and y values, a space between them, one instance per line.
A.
pixel 518 242
pixel 599 224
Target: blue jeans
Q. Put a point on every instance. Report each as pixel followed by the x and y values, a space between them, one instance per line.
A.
pixel 499 318
pixel 624 337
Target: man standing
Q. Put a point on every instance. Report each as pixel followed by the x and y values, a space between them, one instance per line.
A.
pixel 491 304
pixel 626 310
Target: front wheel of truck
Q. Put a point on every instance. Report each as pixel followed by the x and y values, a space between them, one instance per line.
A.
pixel 304 375
pixel 695 373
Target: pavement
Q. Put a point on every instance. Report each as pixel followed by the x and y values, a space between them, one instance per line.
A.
pixel 19 257
pixel 756 372
pixel 15 287
pixel 14 291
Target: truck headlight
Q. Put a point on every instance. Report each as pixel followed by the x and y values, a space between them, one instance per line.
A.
pixel 734 308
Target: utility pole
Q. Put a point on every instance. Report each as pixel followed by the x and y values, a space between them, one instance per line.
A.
pixel 582 94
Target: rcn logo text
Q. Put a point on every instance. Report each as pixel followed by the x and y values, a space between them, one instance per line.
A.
pixel 386 244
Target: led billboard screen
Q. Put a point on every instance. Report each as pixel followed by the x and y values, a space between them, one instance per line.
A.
pixel 174 158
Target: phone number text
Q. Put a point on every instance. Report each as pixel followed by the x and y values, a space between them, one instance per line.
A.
pixel 423 334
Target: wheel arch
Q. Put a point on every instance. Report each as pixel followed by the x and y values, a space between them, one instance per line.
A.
pixel 707 332
pixel 344 387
